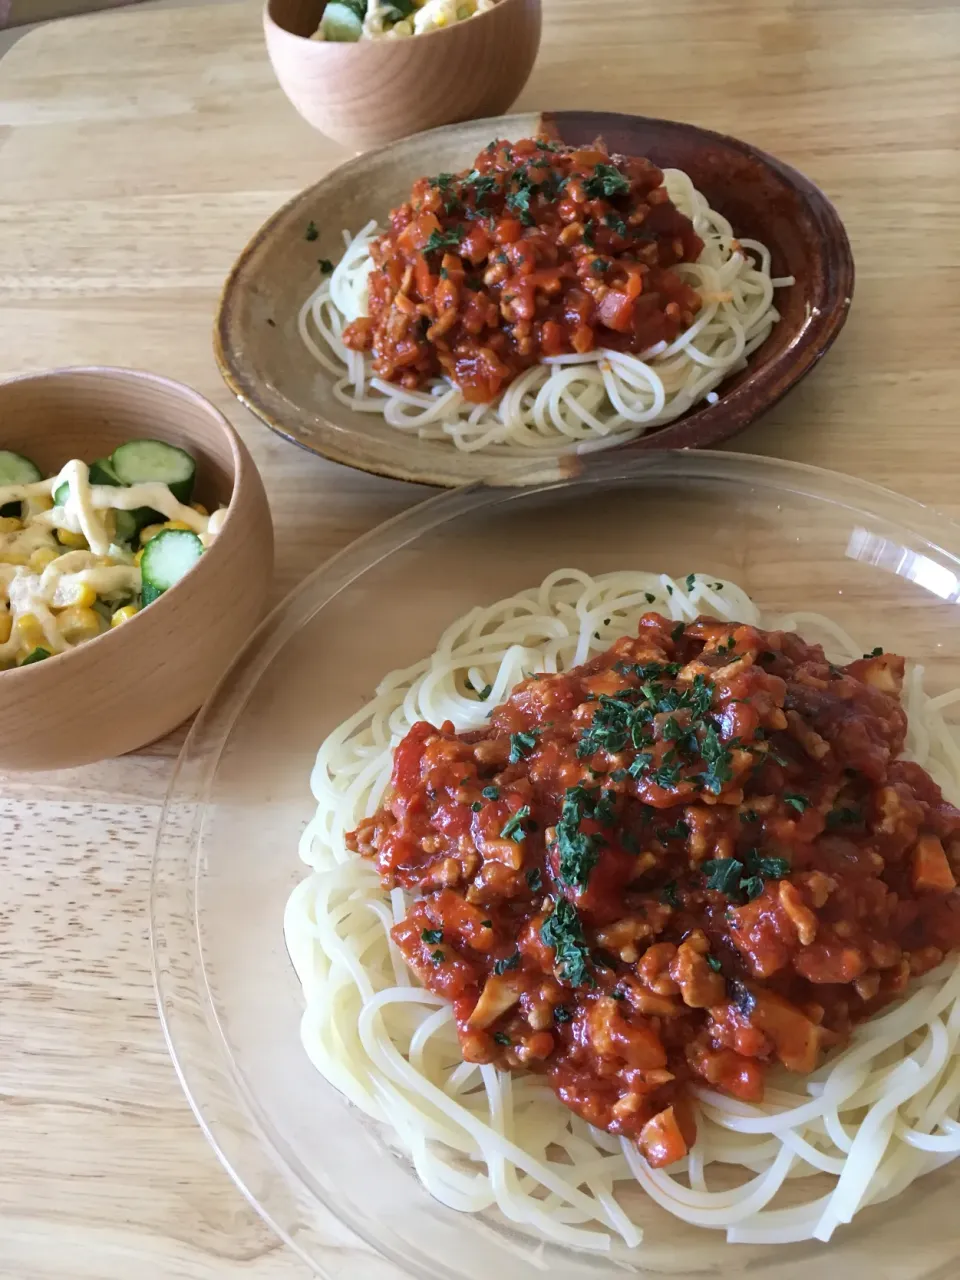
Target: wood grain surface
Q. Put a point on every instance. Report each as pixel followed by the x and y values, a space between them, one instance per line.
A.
pixel 138 153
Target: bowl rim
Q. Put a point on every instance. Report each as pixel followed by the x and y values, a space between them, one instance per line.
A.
pixel 270 22
pixel 200 755
pixel 117 373
pixel 702 426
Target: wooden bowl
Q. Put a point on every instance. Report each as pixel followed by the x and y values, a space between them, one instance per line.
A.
pixel 263 361
pixel 137 682
pixel 371 92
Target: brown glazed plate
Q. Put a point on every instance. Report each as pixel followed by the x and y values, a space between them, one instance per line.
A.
pixel 263 361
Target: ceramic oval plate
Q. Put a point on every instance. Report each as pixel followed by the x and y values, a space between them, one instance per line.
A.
pixel 265 363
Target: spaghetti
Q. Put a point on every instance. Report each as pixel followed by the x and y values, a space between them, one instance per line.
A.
pixel 875 1116
pixel 582 400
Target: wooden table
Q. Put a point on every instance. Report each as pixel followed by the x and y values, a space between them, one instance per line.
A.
pixel 138 152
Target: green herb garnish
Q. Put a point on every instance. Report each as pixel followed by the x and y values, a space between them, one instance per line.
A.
pixel 442 240
pixel 522 744
pixel 432 936
pixel 607 182
pixel 563 933
pixel 311 232
pixel 513 828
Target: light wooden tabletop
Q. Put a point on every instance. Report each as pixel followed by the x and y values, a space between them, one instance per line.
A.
pixel 138 152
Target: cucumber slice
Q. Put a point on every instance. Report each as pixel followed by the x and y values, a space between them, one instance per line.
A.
pixel 102 472
pixel 16 469
pixel 37 655
pixel 341 23
pixel 127 525
pixel 155 461
pixel 166 558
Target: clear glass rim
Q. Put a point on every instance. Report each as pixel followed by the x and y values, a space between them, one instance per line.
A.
pixel 176 952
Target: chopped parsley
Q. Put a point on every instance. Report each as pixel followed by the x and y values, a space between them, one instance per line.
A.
pixel 650 597
pixel 437 956
pixel 311 232
pixel 535 880
pixel 563 933
pixel 589 235
pixel 847 816
pixel 615 223
pixel 513 828
pixel 442 240
pixel 483 184
pixel 561 1014
pixel 491 793
pixel 798 802
pixel 607 182
pixel 668 894
pixel 501 1037
pixel 617 994
pixel 484 693
pixel 476 806
pixel 599 266
pixel 874 653
pixel 714 963
pixel 325 265
pixel 745 879
pixel 690 581
pixel 723 875
pixel 511 962
pixel 519 201
pixel 432 936
pixel 716 586
pixel 718 760
pixel 521 745
pixel 679 831
pixel 578 852
pixel 677 632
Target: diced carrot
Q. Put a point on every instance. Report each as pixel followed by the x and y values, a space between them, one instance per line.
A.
pixel 931 870
pixel 616 311
pixel 423 277
pixel 795 1038
pixel 661 1141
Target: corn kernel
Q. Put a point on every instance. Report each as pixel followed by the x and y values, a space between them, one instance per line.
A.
pixel 76 541
pixel 10 524
pixel 138 557
pixel 39 502
pixel 82 594
pixel 79 623
pixel 150 531
pixel 6 626
pixel 199 508
pixel 124 615
pixel 43 556
pixel 29 632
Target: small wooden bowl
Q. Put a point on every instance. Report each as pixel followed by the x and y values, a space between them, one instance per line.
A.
pixel 263 360
pixel 374 91
pixel 135 683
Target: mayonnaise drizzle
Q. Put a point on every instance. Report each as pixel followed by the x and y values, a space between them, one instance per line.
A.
pixel 83 512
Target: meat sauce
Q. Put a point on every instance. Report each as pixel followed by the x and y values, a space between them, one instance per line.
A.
pixel 540 250
pixel 692 858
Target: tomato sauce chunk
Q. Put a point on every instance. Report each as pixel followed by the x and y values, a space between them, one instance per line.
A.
pixel 695 857
pixel 539 250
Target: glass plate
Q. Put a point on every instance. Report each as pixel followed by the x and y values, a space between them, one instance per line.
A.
pixel 796 538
